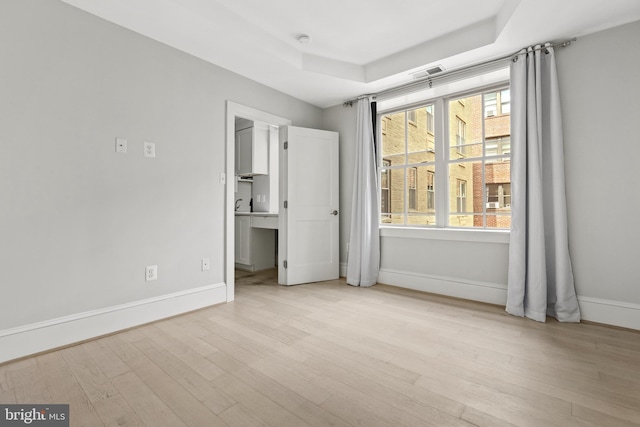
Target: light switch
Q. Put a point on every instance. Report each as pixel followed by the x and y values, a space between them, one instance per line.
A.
pixel 121 145
pixel 149 149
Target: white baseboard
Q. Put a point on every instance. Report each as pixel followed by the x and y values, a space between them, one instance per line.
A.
pixel 493 293
pixel 38 337
pixel 608 312
pixel 616 313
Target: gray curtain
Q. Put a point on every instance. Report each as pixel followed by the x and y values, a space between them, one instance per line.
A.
pixel 540 279
pixel 363 261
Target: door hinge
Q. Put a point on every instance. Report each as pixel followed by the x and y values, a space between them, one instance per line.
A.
pixel 286 145
pixel 286 204
pixel 285 263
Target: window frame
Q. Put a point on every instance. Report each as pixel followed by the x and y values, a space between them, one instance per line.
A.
pixel 442 228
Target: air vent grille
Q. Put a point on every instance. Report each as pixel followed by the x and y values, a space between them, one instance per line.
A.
pixel 428 72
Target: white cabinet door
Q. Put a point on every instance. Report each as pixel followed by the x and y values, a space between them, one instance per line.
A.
pixel 243 240
pixel 252 150
pixel 309 225
pixel 244 139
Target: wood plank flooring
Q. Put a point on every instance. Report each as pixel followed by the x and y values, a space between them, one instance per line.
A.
pixel 329 354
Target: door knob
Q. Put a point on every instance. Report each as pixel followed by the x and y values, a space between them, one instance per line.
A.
pixel 335 212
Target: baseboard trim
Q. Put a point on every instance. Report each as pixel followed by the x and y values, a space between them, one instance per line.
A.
pixel 37 337
pixel 609 312
pixel 493 293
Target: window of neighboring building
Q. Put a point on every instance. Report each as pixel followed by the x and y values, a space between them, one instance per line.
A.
pixel 461 176
pixel 431 201
pixel 491 104
pixel 498 196
pixel 461 196
pixel 505 102
pixel 412 182
pixel 497 103
pixel 430 122
pixel 411 116
pixel 461 131
pixel 500 146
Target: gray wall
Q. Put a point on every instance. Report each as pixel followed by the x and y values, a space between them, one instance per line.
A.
pixel 78 222
pixel 600 93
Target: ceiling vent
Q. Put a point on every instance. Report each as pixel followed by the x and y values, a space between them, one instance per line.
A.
pixel 428 72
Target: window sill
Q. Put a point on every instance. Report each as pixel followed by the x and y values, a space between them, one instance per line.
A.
pixel 452 234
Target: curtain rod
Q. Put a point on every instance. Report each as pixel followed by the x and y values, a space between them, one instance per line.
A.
pixel 429 80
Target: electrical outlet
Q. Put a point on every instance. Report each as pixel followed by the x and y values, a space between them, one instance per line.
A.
pixel 151 273
pixel 205 264
pixel 149 149
pixel 121 145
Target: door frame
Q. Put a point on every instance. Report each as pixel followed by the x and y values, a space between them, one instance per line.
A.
pixel 234 110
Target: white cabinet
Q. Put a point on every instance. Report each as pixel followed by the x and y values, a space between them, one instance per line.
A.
pixel 252 150
pixel 255 247
pixel 243 240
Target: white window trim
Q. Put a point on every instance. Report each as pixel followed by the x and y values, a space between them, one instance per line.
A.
pixel 481 235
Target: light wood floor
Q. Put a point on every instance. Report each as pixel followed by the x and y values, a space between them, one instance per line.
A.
pixel 330 354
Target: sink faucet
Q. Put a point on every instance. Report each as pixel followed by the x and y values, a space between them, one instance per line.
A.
pixel 238 204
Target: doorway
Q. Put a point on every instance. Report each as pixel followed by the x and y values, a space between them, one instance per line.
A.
pixel 234 111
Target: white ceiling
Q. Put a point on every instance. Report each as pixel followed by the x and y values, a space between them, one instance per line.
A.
pixel 357 46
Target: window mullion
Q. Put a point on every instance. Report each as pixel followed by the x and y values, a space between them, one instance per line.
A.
pixel 441 175
pixel 406 162
pixel 483 165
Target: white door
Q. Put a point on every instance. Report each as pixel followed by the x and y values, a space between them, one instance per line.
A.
pixel 308 240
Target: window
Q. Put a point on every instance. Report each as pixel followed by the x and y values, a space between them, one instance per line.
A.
pixel 498 196
pixel 499 146
pixel 430 122
pixel 431 201
pixel 490 104
pixel 411 116
pixel 458 176
pixel 505 102
pixel 497 103
pixel 461 131
pixel 413 184
pixel 461 196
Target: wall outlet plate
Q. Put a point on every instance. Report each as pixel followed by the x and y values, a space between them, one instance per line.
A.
pixel 149 149
pixel 151 273
pixel 121 145
pixel 205 264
